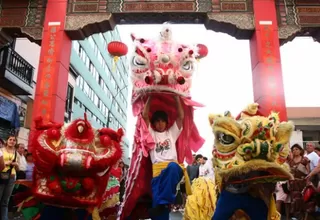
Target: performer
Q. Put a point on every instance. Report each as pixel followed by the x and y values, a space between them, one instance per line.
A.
pixel 249 159
pixel 167 173
pixel 165 134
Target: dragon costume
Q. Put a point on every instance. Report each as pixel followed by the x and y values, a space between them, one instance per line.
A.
pixel 72 168
pixel 249 158
pixel 164 68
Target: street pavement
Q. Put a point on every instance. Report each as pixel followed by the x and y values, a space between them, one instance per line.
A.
pixel 15 216
pixel 173 216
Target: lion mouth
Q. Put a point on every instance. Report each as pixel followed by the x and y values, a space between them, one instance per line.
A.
pixel 166 88
pixel 256 171
pixel 258 176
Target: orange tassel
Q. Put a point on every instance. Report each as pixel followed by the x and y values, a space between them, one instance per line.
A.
pixel 115 60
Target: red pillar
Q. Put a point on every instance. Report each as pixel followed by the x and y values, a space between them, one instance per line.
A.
pixel 52 79
pixel 268 88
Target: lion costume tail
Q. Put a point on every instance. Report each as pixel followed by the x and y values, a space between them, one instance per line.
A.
pixel 201 204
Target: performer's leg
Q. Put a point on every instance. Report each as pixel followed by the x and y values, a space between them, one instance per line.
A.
pixel 164 190
pixel 226 206
pixel 167 189
pixel 83 214
pixel 158 212
pixel 52 213
pixel 163 216
pixel 256 208
pixel 229 202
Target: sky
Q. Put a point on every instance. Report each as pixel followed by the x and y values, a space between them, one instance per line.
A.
pixel 223 80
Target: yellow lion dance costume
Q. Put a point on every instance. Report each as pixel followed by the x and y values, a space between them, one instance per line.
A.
pixel 249 159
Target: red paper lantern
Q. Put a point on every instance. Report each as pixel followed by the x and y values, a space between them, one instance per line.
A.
pixel 117 49
pixel 202 51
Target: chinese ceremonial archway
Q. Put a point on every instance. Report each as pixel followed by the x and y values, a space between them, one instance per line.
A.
pixel 117 49
pixel 202 51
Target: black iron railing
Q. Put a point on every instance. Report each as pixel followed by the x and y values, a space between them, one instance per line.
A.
pixel 16 64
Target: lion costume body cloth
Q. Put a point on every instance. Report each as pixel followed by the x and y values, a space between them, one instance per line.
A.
pixel 249 158
pixel 163 68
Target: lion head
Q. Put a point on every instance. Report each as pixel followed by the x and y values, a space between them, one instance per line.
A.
pixel 162 65
pixel 252 149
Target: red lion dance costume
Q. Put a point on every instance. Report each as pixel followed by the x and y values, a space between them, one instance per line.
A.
pixel 72 167
pixel 164 68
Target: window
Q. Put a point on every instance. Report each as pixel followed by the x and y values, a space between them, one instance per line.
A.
pixel 96 99
pixel 107 72
pixel 69 102
pixel 86 89
pixel 91 42
pixel 100 59
pixel 82 54
pixel 80 82
pixel 76 46
pixel 106 110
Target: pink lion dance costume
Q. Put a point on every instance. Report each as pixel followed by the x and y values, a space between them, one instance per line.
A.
pixel 72 166
pixel 164 68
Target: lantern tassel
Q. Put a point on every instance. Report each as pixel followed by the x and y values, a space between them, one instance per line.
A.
pixel 115 60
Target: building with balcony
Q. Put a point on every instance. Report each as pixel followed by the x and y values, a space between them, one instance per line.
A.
pixel 16 91
pixel 101 89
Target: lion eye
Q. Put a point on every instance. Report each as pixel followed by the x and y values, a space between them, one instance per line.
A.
pixel 188 66
pixel 138 61
pixel 225 139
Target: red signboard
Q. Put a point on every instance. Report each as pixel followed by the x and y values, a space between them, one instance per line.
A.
pixel 48 71
pixel 269 59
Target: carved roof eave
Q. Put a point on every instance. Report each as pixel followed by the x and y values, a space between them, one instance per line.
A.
pixel 80 26
pixel 244 21
pixel 238 25
pixel 34 34
pixel 288 33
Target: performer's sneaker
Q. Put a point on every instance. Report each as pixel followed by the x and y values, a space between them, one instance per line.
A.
pixel 158 210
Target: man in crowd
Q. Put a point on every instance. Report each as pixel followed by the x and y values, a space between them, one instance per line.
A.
pixel 193 169
pixel 22 162
pixel 314 161
pixel 312 155
pixel 205 168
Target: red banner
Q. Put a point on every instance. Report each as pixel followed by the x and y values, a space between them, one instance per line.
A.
pixel 48 71
pixel 269 59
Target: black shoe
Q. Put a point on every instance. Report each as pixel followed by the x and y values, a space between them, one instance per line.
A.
pixel 158 210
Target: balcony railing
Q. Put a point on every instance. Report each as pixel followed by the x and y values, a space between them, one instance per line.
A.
pixel 16 64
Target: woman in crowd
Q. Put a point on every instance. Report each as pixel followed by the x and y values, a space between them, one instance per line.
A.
pixel 8 174
pixel 290 193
